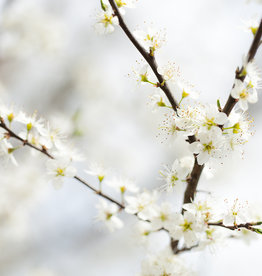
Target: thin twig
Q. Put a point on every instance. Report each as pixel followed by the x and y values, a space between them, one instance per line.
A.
pixel 248 225
pixel 43 150
pixel 149 58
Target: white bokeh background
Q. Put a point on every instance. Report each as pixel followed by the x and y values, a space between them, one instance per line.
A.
pixel 89 73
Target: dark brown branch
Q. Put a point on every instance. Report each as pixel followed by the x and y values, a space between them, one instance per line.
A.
pixel 193 180
pixel 239 73
pixel 248 225
pixel 197 169
pixel 24 142
pixel 11 134
pixel 121 206
pixel 147 56
pixel 185 249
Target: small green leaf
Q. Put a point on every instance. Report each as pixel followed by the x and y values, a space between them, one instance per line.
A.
pixel 259 231
pixel 219 105
pixel 103 6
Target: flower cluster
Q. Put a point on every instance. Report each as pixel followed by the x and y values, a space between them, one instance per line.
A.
pixel 107 213
pixel 245 91
pixel 165 263
pixel 41 136
pixel 217 134
pixel 151 39
pixel 198 225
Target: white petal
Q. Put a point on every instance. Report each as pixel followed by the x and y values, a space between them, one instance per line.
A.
pixel 221 118
pixel 202 158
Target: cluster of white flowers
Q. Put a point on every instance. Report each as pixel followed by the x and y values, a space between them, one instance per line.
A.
pixel 171 75
pixel 246 91
pixel 217 134
pixel 191 228
pixel 107 213
pixel 165 263
pixel 38 133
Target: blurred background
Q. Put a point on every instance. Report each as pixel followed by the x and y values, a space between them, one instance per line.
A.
pixel 53 61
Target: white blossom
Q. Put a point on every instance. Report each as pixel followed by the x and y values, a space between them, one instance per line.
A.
pixel 210 145
pixel 142 231
pixel 107 213
pixel 32 123
pixel 252 24
pixel 106 22
pixel 164 216
pixel 169 72
pixel 236 213
pixel 122 185
pixel 174 177
pixel 157 100
pixel 151 40
pixel 143 75
pixel 186 89
pixel 6 152
pixel 188 119
pixel 244 93
pixel 98 170
pixel 201 209
pixel 165 263
pixel 185 226
pixel 211 118
pixel 142 204
pixel 58 169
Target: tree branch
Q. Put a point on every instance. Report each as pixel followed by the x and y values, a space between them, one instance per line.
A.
pixel 248 225
pixel 11 134
pixel 239 73
pixel 197 169
pixel 193 180
pixel 149 58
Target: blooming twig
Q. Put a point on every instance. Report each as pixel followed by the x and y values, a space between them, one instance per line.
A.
pixel 11 134
pixel 197 169
pixel 147 56
pixel 239 73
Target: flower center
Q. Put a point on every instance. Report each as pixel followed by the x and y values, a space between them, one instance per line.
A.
pixel 120 3
pixel 243 94
pixel 107 20
pixel 60 172
pixel 186 226
pixel 208 147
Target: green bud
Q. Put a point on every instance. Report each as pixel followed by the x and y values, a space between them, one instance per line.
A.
pixel 103 6
pixel 29 126
pixel 259 231
pixel 10 117
pixel 100 178
pixel 11 150
pixel 253 30
pixel 184 94
pixel 218 105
